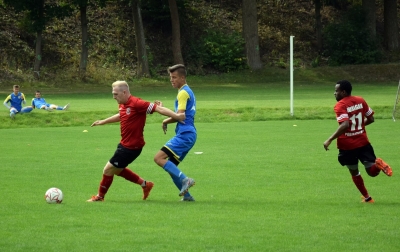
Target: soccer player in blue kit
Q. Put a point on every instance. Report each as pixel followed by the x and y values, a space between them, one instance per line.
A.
pixel 16 99
pixel 40 103
pixel 175 150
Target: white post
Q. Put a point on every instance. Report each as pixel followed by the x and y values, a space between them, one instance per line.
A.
pixel 291 75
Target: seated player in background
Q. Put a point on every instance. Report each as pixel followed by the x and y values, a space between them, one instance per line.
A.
pixel 16 99
pixel 40 103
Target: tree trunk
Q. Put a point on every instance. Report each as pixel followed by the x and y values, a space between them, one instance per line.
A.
pixel 143 62
pixel 85 37
pixel 370 16
pixel 176 33
pixel 250 33
pixel 38 48
pixel 391 32
pixel 38 55
pixel 318 24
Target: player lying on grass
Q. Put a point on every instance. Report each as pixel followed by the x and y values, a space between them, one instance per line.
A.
pixel 40 103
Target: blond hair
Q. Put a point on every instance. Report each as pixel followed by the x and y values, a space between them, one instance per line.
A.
pixel 122 85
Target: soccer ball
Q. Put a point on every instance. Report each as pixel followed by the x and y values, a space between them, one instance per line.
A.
pixel 53 196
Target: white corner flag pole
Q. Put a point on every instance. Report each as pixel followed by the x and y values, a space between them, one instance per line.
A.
pixel 291 75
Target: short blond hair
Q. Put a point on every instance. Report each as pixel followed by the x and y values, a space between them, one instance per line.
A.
pixel 121 85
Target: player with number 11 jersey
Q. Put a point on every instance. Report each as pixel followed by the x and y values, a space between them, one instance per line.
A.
pixel 353 114
pixel 354 109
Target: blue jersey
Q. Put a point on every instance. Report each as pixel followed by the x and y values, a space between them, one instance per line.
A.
pixel 186 100
pixel 39 102
pixel 15 100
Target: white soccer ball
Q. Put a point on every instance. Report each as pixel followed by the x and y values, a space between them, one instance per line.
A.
pixel 53 196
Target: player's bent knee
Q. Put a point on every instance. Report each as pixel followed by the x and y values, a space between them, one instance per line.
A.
pixel 159 161
pixel 110 170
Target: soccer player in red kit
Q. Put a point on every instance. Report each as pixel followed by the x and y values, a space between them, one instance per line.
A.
pixel 353 114
pixel 132 117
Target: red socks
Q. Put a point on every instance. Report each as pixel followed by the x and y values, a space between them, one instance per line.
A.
pixel 374 171
pixel 127 174
pixel 105 183
pixel 131 176
pixel 359 182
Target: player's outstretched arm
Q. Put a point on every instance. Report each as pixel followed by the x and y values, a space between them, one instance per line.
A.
pixel 6 104
pixel 340 130
pixel 111 119
pixel 167 112
pixel 159 103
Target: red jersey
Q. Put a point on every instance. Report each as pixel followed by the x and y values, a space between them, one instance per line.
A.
pixel 133 118
pixel 353 109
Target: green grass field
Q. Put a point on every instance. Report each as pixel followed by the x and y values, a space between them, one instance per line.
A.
pixel 225 101
pixel 263 183
pixel 261 186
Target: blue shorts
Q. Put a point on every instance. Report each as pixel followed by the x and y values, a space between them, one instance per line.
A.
pixel 179 146
pixel 21 110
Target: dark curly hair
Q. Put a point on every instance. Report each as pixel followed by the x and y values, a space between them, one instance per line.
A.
pixel 345 85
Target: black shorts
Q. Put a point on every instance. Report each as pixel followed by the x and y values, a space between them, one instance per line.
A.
pixel 171 156
pixel 123 156
pixel 351 157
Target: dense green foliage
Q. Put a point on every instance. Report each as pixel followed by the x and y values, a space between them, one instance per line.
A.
pixel 112 46
pixel 348 42
pixel 220 51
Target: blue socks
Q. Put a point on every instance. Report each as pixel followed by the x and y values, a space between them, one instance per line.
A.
pixel 172 169
pixel 178 184
pixel 26 110
pixel 176 174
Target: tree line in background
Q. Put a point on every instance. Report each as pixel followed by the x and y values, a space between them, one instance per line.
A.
pixel 238 40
